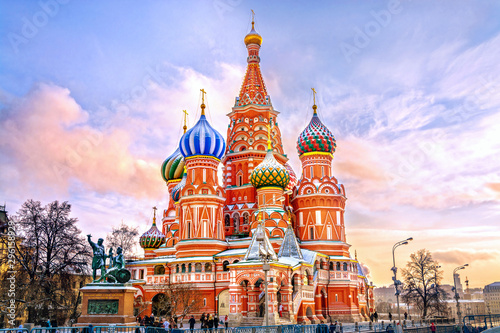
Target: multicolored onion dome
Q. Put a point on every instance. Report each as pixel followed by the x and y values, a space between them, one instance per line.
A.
pixel 202 139
pixel 173 166
pixel 293 177
pixel 253 37
pixel 176 191
pixel 316 137
pixel 153 238
pixel 270 173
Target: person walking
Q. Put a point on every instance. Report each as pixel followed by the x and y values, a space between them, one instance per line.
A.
pixel 433 328
pixel 216 322
pixel 226 321
pixel 192 321
pixel 337 327
pixel 166 325
pixel 280 309
pixel 375 316
pixel 202 319
pixel 390 316
pixel 406 315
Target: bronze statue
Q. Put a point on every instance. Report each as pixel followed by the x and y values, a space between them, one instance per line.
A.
pixel 116 271
pixel 99 259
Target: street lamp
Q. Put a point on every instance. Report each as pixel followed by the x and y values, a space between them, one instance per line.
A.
pixel 395 270
pixel 436 287
pixel 457 296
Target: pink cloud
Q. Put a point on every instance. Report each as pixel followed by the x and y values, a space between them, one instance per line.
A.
pixel 459 257
pixel 50 143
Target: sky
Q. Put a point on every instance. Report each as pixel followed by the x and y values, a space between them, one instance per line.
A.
pixel 92 93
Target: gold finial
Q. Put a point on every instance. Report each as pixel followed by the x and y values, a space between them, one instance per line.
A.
pixel 203 92
pixel 154 215
pixel 356 254
pixel 314 97
pixel 253 18
pixel 268 137
pixel 185 120
pixel 289 220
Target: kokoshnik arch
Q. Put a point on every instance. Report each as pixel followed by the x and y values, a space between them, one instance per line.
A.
pixel 209 233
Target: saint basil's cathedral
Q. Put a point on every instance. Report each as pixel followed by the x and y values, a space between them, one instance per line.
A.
pixel 213 237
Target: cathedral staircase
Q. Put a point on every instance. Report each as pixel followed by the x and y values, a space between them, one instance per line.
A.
pixel 252 321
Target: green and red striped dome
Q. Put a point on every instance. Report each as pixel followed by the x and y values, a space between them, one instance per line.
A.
pixel 316 137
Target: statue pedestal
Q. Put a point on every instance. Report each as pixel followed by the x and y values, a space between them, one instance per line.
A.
pixel 107 303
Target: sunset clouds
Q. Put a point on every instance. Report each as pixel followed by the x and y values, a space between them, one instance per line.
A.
pixel 92 105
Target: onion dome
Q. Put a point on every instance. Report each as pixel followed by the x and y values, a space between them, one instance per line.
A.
pixel 176 191
pixel 173 166
pixel 270 172
pixel 316 137
pixel 293 177
pixel 153 238
pixel 202 140
pixel 253 37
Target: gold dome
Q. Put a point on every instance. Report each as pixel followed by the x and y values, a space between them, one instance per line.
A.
pixel 253 37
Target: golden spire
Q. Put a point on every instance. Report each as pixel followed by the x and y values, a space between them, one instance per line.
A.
pixel 203 92
pixel 314 97
pixel 154 215
pixel 268 137
pixel 356 254
pixel 253 18
pixel 185 120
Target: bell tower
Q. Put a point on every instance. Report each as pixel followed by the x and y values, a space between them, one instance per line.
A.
pixel 246 141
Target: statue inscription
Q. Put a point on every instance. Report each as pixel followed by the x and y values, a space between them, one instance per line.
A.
pixel 102 306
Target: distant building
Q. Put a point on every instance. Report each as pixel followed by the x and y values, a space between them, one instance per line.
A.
pixel 491 294
pixel 385 294
pixel 467 307
pixel 4 220
pixel 458 284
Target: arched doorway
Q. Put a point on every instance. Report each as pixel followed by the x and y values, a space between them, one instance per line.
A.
pixel 309 313
pixel 236 222
pixel 160 305
pixel 223 299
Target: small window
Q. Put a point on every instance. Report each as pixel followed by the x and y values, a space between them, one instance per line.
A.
pixel 141 274
pixel 189 268
pixel 197 267
pixel 224 266
pixel 338 266
pixel 311 233
pixel 183 268
pixel 345 266
pixel 331 266
pixel 177 269
pixel 208 267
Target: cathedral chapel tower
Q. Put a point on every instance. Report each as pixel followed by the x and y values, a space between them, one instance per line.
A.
pixel 319 200
pixel 201 231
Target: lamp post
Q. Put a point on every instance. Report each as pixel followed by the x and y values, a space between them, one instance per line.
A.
pixel 395 270
pixel 265 257
pixel 437 286
pixel 457 296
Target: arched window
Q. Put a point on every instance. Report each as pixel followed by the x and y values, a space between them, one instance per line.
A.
pixel 159 270
pixel 224 266
pixel 338 266
pixel 189 268
pixel 331 265
pixel 227 220
pixel 177 269
pixel 239 179
pixel 311 233
pixel 197 267
pixel 208 267
pixel 236 261
pixel 183 268
pixel 345 266
pixel 246 218
pixel 236 222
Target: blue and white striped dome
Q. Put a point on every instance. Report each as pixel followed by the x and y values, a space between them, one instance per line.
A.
pixel 202 139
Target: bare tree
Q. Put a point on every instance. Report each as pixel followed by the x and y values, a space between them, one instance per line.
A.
pixel 422 288
pixel 51 261
pixel 125 237
pixel 176 299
